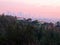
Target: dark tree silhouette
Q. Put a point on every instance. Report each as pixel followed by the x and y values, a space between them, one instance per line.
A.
pixel 27 32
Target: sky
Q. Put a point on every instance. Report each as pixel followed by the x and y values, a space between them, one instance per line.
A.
pixel 32 8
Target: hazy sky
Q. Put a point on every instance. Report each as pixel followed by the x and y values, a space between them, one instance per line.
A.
pixel 32 8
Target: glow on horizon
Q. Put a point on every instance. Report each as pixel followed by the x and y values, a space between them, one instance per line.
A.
pixel 37 8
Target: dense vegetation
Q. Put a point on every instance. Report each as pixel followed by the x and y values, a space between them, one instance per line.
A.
pixel 27 32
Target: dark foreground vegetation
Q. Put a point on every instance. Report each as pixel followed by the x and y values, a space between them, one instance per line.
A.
pixel 28 32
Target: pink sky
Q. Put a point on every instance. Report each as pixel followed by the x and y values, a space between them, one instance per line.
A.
pixel 35 8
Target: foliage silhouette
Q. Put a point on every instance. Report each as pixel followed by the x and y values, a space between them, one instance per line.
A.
pixel 27 32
